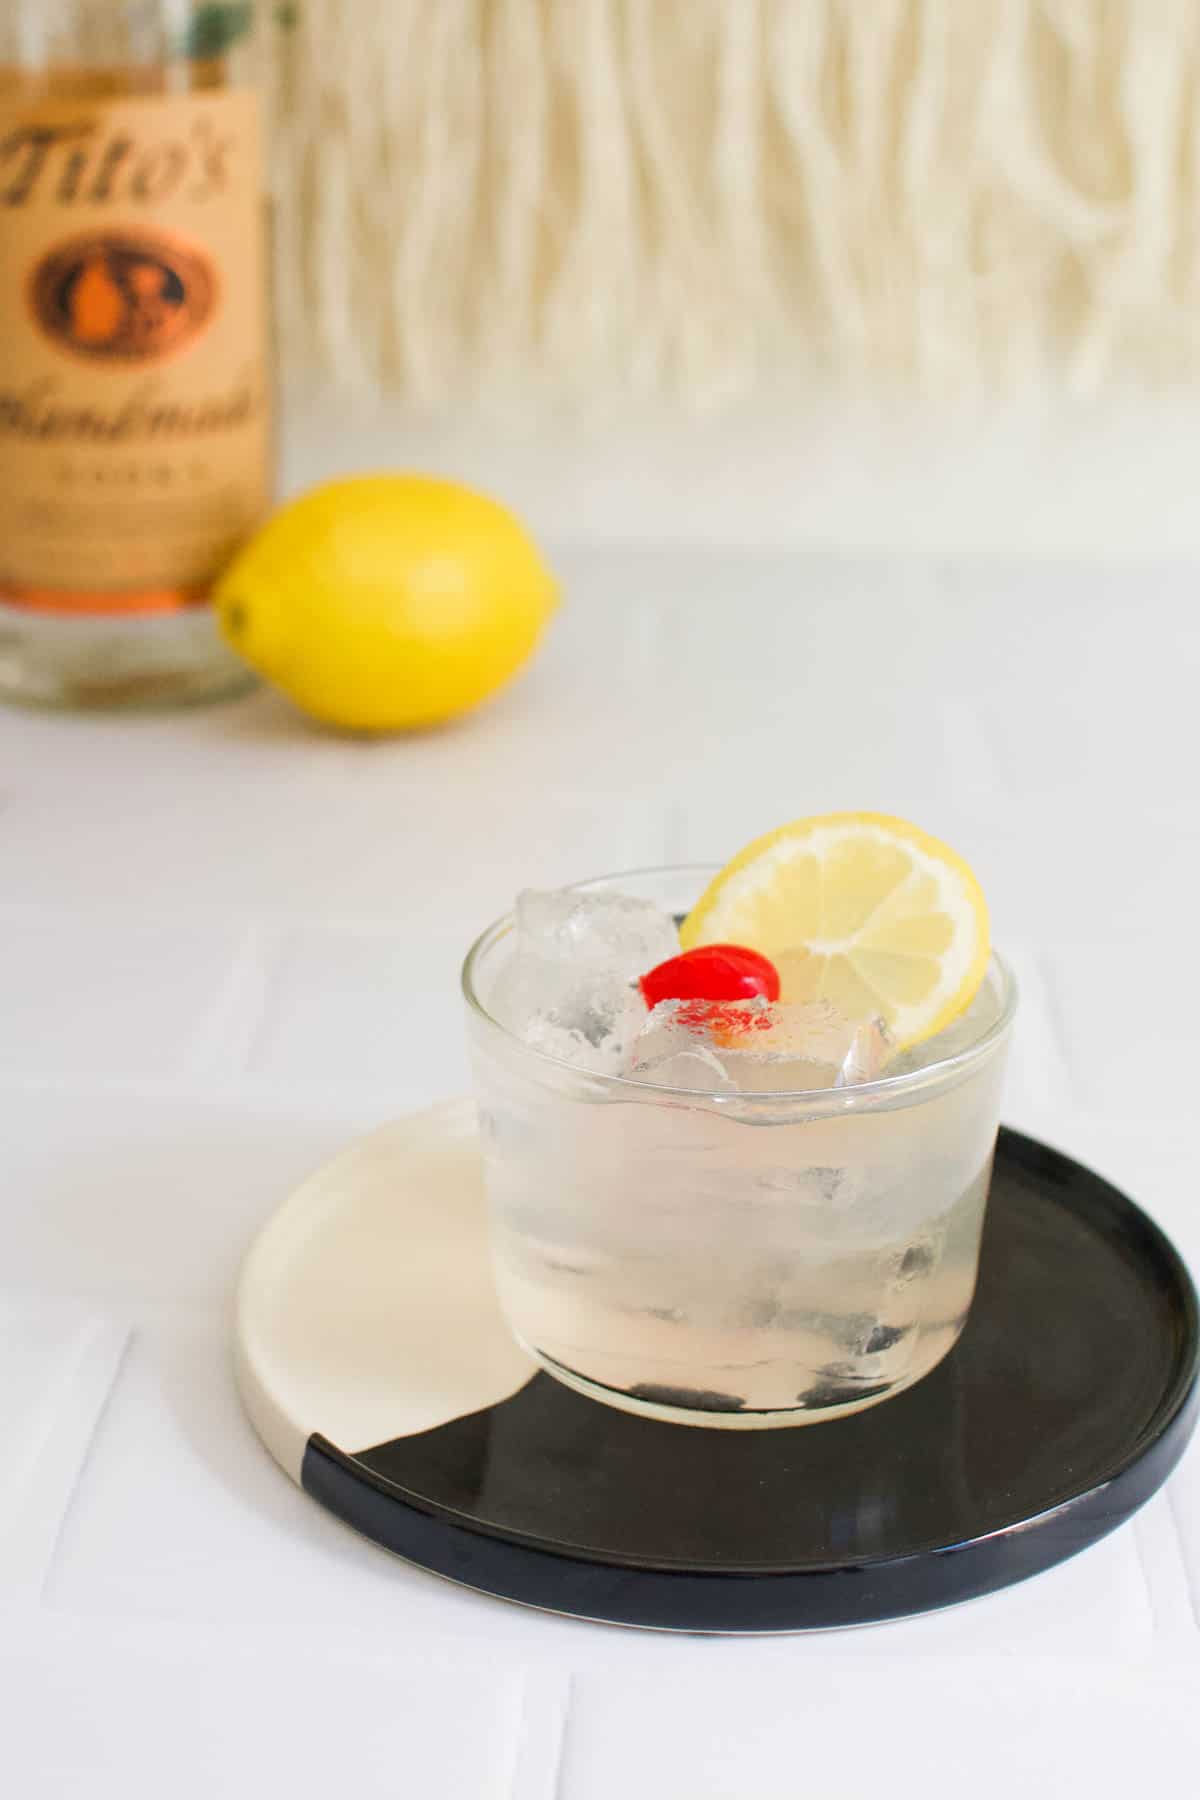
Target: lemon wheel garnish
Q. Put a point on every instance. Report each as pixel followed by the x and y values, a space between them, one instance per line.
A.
pixel 859 909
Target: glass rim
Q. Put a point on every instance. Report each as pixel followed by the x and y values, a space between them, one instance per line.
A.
pixel 932 1074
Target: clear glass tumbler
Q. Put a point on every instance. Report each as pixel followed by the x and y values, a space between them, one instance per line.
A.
pixel 754 1259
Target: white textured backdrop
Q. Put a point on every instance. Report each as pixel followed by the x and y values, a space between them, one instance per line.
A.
pixel 605 198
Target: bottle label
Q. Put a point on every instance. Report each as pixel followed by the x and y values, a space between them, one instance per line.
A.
pixel 134 387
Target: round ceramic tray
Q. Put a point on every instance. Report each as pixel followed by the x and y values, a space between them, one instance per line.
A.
pixel 376 1367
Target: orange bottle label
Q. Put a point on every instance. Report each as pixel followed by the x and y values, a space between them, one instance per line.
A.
pixel 135 427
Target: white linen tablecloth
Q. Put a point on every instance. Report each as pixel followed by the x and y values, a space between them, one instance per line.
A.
pixel 231 943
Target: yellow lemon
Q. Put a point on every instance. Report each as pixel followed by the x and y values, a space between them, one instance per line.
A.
pixel 387 602
pixel 859 909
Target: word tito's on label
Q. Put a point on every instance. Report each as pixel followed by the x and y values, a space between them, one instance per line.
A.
pixel 78 162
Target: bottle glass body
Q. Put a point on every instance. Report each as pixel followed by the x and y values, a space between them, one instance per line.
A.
pixel 135 392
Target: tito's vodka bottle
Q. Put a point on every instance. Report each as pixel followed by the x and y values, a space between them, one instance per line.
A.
pixel 135 427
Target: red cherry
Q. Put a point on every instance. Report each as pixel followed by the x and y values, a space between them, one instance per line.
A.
pixel 712 972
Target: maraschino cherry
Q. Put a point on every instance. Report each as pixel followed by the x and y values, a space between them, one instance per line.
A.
pixel 712 972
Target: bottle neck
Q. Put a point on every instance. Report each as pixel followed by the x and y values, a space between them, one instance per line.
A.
pixel 89 49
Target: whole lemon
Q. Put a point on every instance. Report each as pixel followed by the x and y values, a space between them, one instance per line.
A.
pixel 387 602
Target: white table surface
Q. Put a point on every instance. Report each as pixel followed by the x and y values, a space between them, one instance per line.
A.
pixel 230 944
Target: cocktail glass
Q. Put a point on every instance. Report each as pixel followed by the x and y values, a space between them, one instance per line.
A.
pixel 754 1259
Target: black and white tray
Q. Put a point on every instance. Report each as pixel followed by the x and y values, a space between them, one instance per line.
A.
pixel 376 1367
